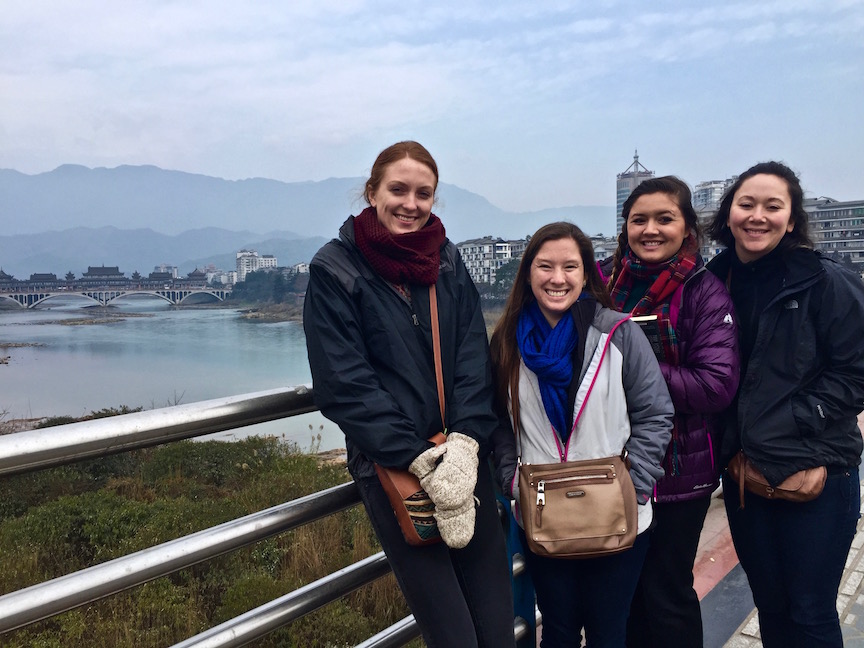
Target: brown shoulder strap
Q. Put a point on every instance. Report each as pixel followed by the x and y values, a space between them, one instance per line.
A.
pixel 436 350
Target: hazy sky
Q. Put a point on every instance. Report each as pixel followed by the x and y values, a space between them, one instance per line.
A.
pixel 531 104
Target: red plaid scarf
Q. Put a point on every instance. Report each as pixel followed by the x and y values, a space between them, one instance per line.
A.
pixel 412 257
pixel 658 299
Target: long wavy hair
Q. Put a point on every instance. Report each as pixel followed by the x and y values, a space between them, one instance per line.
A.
pixel 505 352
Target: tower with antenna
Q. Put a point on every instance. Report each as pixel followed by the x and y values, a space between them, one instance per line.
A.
pixel 627 181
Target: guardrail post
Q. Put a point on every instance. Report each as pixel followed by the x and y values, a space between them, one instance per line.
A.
pixel 522 587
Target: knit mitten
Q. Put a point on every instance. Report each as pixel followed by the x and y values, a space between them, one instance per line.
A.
pixel 425 462
pixel 456 526
pixel 452 482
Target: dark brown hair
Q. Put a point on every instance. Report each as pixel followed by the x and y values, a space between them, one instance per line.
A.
pixel 392 154
pixel 800 234
pixel 505 353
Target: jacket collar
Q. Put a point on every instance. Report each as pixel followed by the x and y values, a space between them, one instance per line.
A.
pixel 802 267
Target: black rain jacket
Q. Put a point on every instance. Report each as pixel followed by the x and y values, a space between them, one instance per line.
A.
pixel 370 352
pixel 798 401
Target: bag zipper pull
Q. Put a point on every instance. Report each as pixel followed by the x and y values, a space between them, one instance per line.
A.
pixel 541 502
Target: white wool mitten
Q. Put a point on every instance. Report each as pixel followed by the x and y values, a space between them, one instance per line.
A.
pixel 451 484
pixel 456 526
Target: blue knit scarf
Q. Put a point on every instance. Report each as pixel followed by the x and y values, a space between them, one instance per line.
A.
pixel 548 352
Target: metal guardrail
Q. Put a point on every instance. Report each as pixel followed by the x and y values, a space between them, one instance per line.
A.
pixel 87 585
pixel 26 451
pixel 34 449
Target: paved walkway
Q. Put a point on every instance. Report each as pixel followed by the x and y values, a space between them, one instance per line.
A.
pixel 850 600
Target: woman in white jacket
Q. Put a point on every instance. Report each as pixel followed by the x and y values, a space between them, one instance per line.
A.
pixel 549 348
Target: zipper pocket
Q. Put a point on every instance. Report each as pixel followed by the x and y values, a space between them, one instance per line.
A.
pixel 564 480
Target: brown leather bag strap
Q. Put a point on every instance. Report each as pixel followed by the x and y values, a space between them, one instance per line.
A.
pixel 436 350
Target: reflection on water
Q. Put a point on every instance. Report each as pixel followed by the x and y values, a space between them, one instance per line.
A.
pixel 153 358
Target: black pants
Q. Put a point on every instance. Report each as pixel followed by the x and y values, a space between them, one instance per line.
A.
pixel 592 594
pixel 665 611
pixel 460 597
pixel 794 554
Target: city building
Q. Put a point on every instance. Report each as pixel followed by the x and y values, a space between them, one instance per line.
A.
pixel 604 246
pixel 249 261
pixel 837 228
pixel 632 177
pixel 707 195
pixel 482 257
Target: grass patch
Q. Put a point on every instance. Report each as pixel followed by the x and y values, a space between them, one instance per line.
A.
pixel 60 520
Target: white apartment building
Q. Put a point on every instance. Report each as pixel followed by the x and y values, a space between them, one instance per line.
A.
pixel 483 256
pixel 249 261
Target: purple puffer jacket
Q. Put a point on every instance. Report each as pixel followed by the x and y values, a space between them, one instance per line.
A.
pixel 702 385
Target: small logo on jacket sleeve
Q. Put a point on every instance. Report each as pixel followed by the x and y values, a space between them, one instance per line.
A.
pixel 728 318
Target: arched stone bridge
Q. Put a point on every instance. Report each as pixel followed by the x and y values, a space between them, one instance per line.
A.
pixel 105 296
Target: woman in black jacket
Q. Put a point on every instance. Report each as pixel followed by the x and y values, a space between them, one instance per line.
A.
pixel 368 327
pixel 801 321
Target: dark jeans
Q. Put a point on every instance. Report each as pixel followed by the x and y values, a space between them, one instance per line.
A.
pixel 665 611
pixel 593 594
pixel 794 555
pixel 460 597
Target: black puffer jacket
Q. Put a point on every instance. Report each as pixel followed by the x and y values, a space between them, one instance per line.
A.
pixel 804 383
pixel 370 351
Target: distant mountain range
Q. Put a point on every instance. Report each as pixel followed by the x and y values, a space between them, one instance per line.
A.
pixel 136 217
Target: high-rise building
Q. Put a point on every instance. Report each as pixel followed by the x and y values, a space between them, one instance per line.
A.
pixel 707 195
pixel 632 177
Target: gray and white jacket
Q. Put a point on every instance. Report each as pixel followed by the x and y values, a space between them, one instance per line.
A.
pixel 629 407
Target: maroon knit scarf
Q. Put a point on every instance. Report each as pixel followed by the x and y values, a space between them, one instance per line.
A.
pixel 412 257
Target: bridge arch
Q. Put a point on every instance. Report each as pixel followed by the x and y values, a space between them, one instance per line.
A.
pixel 13 300
pixel 151 293
pixel 210 293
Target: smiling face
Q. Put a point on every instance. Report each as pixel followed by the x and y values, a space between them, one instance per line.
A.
pixel 404 197
pixel 760 216
pixel 655 228
pixel 557 278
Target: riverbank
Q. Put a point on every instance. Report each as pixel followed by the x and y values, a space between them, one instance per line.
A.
pixel 273 312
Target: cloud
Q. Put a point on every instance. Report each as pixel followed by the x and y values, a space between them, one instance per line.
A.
pixel 236 89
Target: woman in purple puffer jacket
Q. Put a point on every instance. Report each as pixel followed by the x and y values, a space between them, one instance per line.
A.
pixel 657 271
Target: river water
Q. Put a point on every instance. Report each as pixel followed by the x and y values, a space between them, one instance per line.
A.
pixel 153 357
